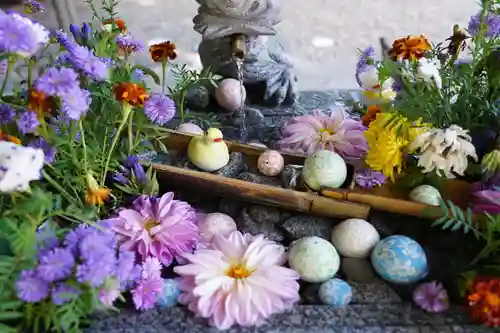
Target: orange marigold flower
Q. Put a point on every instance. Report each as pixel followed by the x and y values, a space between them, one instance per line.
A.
pixel 370 115
pixel 162 52
pixel 130 93
pixel 10 138
pixel 38 102
pixel 119 23
pixel 410 47
pixel 483 295
pixel 95 195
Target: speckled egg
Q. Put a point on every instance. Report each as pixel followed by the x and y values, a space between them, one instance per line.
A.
pixel 170 294
pixel 230 94
pixel 215 224
pixel 314 258
pixel 324 169
pixel 189 128
pixel 426 194
pixel 355 238
pixel 335 292
pixel 400 260
pixel 270 163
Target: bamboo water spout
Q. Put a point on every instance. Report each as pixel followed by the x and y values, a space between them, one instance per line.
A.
pixel 238 47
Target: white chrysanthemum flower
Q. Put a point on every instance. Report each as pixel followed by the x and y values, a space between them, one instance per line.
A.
pixel 376 91
pixel 428 71
pixel 19 166
pixel 444 150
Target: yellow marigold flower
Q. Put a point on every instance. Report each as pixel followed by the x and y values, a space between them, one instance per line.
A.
pixel 386 155
pixel 95 195
pixel 382 123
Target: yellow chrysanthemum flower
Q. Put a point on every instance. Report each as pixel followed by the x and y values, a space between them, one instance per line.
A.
pixel 387 155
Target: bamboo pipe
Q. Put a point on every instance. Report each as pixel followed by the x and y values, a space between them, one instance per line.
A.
pixel 238 46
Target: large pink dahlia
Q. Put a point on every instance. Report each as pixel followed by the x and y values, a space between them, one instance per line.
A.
pixel 336 132
pixel 159 227
pixel 238 279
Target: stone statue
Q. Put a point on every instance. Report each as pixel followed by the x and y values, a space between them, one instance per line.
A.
pixel 239 42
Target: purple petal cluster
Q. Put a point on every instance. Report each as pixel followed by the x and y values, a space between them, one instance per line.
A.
pixel 365 61
pixel 7 114
pixel 86 256
pixel 27 122
pixel 368 179
pixel 131 172
pixel 431 297
pixel 32 7
pixel 48 150
pixel 20 35
pixel 149 286
pixel 128 44
pixel 486 201
pixel 160 109
pixel 82 58
pixel 492 22
pixel 82 33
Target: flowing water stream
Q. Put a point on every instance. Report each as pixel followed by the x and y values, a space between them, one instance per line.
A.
pixel 241 112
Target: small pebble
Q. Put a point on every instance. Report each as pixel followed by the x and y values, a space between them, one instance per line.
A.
pixel 335 292
pixel 322 42
pixel 170 294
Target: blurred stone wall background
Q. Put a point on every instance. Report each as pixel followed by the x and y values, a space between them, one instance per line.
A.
pixel 322 35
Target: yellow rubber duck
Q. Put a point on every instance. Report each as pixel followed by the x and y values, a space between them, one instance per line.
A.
pixel 208 152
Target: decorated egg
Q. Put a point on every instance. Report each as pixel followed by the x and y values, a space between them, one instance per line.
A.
pixel 169 295
pixel 335 292
pixel 355 238
pixel 215 224
pixel 189 128
pixel 314 258
pixel 426 194
pixel 270 163
pixel 324 169
pixel 399 259
pixel 230 94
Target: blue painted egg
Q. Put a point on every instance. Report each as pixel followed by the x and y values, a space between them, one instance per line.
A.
pixel 335 292
pixel 399 260
pixel 170 294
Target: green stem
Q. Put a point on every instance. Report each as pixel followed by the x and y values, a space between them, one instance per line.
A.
pixel 54 183
pixel 29 63
pixel 127 108
pixel 181 105
pixel 10 65
pixel 84 145
pixel 164 75
pixel 130 136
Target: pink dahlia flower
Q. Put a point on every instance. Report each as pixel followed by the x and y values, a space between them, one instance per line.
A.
pixel 486 201
pixel 159 227
pixel 431 297
pixel 238 280
pixel 149 286
pixel 336 132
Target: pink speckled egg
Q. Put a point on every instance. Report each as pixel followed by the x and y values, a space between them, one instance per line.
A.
pixel 215 224
pixel 230 95
pixel 270 163
pixel 189 128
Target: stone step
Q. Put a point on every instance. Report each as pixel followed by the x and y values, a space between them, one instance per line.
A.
pixel 357 318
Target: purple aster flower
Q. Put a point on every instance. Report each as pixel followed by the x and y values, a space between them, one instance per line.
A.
pixel 128 44
pixel 30 288
pixel 46 239
pixel 76 104
pixel 365 60
pixel 32 7
pixel 369 179
pixel 19 34
pixel 48 150
pixel 126 269
pixel 93 247
pixel 73 237
pixel 96 272
pixel 492 22
pixel 138 75
pixel 63 293
pixel 56 264
pixel 7 114
pixel 160 109
pixel 65 41
pixel 27 122
pixel 84 59
pixel 431 297
pixel 58 82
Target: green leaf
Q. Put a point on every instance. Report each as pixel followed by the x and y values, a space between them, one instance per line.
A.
pixel 448 224
pixel 7 329
pixel 11 315
pixel 10 305
pixel 442 204
pixel 150 72
pixel 439 221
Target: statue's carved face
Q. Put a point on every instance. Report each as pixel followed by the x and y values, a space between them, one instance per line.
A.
pixel 235 7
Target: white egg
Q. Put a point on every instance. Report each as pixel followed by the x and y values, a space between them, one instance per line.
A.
pixel 314 258
pixel 355 238
pixel 426 194
pixel 215 224
pixel 324 169
pixel 189 128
